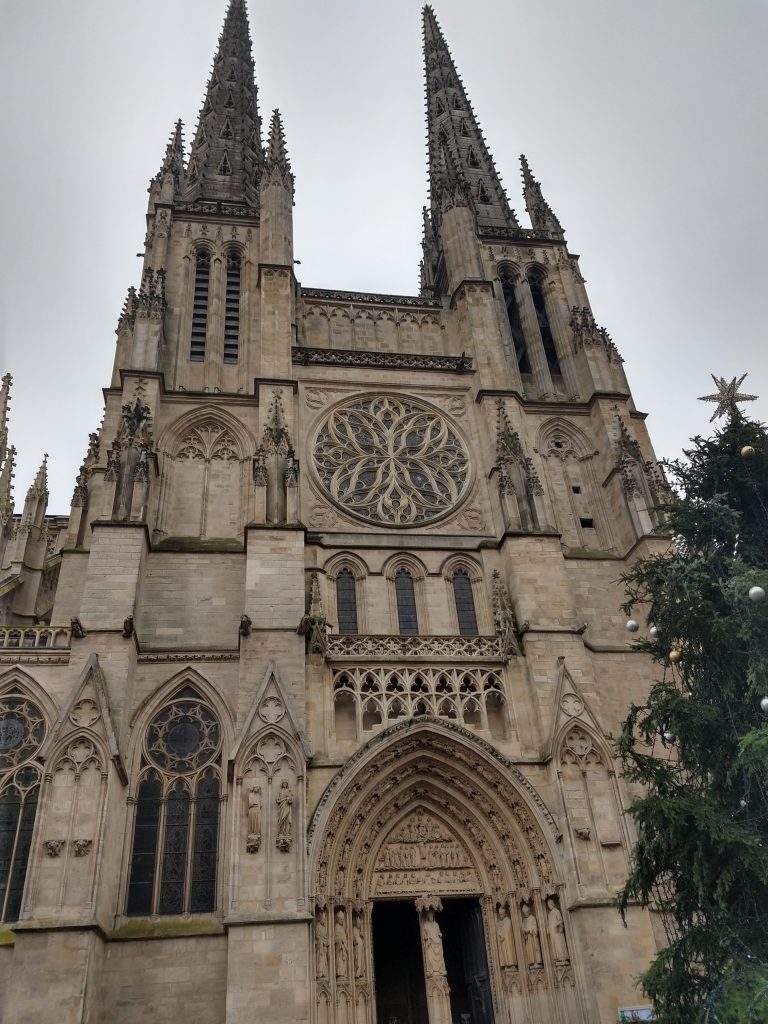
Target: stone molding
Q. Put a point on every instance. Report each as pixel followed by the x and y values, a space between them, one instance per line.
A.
pixel 381 360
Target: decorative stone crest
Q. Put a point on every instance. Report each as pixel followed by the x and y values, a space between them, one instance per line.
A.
pixel 82 847
pixel 53 847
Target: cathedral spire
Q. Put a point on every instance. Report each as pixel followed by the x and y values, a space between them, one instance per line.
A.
pixel 227 154
pixel 5 399
pixel 461 168
pixel 542 216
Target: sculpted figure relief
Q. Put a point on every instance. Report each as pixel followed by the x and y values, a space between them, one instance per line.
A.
pixel 341 945
pixel 506 938
pixel 531 936
pixel 556 930
pixel 284 801
pixel 358 946
pixel 322 943
pixel 433 944
pixel 253 841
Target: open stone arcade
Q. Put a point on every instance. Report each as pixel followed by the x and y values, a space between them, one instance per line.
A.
pixel 305 706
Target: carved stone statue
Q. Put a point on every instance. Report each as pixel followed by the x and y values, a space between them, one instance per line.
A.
pixel 433 944
pixel 358 946
pixel 341 945
pixel 322 943
pixel 507 955
pixel 284 801
pixel 556 930
pixel 531 936
pixel 253 842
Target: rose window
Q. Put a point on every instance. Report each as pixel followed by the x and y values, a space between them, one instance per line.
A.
pixel 183 737
pixel 22 728
pixel 391 461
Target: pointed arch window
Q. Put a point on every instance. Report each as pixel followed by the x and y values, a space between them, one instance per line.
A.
pixel 405 596
pixel 465 603
pixel 176 830
pixel 536 283
pixel 200 305
pixel 515 323
pixel 232 308
pixel 346 602
pixel 22 730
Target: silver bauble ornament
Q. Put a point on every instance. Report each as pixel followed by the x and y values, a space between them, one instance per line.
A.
pixel 756 594
pixel 655 632
pixel 764 705
pixel 632 626
pixel 670 737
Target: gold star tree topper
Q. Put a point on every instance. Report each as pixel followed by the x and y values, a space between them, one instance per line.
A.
pixel 727 396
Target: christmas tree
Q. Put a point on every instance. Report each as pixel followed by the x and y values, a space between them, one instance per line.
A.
pixel 697 750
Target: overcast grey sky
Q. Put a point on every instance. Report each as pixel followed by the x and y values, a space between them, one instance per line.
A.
pixel 645 122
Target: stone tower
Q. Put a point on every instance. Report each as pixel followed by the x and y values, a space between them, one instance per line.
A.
pixel 305 708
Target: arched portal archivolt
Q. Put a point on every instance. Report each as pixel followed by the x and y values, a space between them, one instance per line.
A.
pixel 427 813
pixel 428 765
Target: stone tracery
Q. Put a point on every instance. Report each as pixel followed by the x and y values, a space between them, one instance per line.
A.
pixel 391 461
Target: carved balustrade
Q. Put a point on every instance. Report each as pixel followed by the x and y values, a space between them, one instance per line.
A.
pixel 34 637
pixel 373 647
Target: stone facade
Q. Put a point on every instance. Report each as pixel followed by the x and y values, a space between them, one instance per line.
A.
pixel 305 708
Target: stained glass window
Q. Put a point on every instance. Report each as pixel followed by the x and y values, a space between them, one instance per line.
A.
pixel 176 831
pixel 406 603
pixel 465 604
pixel 346 602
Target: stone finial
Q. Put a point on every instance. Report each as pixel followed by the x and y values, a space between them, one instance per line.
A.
pixel 39 487
pixel 6 486
pixel 277 166
pixel 5 399
pixel 543 219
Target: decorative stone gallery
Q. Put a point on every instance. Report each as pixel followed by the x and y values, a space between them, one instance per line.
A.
pixel 305 707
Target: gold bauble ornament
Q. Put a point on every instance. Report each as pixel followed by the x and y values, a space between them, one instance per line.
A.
pixel 747 452
pixel 675 656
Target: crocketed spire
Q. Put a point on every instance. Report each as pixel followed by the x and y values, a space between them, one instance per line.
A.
pixel 227 155
pixel 461 168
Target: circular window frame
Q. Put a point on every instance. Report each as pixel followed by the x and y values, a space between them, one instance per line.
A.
pixel 421 405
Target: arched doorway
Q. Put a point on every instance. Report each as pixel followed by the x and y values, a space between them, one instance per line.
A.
pixel 438 895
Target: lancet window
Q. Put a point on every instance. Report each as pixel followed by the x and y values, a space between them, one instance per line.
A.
pixel 176 830
pixel 515 323
pixel 232 308
pixel 346 602
pixel 200 305
pixel 405 596
pixel 22 730
pixel 465 603
pixel 536 284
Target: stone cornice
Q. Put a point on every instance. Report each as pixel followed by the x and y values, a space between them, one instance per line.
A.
pixel 371 298
pixel 305 356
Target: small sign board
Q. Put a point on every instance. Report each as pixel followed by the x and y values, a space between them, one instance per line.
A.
pixel 635 1014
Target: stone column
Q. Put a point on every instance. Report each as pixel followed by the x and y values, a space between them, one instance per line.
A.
pixel 435 974
pixel 534 344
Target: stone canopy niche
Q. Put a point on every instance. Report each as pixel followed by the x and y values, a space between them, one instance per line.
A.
pixel 420 855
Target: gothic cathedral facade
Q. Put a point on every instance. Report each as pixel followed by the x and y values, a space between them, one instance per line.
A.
pixel 305 708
